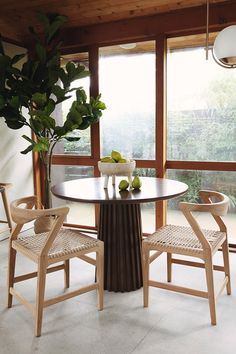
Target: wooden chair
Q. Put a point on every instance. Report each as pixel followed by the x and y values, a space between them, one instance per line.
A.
pixel 191 241
pixel 59 244
pixel 3 190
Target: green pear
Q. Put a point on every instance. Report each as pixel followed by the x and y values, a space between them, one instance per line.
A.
pixel 116 155
pixel 123 185
pixel 123 160
pixel 136 183
pixel 107 159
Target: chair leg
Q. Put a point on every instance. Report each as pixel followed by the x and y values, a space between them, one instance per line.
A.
pixel 11 274
pixel 42 270
pixel 145 266
pixel 100 276
pixel 211 291
pixel 7 209
pixel 169 267
pixel 225 250
pixel 67 273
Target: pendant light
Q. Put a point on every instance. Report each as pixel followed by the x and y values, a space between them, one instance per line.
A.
pixel 224 48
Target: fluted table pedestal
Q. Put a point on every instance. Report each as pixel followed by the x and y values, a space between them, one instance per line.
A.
pixel 121 230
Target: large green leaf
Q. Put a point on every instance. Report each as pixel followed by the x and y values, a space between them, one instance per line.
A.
pixel 14 124
pixel 47 122
pixel 50 106
pixel 85 124
pixel 37 125
pixel 71 138
pixel 54 27
pixel 81 95
pixel 28 139
pixel 69 126
pixel 60 131
pixel 14 102
pixel 58 92
pixel 28 149
pixel 40 99
pixel 41 52
pixel 74 116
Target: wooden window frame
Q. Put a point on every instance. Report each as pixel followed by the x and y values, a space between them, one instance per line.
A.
pixel 187 22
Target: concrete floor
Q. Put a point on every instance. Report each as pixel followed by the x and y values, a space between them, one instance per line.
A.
pixel 173 323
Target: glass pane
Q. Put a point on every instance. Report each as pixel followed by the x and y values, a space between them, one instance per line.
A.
pixel 201 107
pixel 80 213
pixel 224 182
pixel 147 209
pixel 127 84
pixel 83 146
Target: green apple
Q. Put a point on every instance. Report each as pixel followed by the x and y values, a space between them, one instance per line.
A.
pixel 136 183
pixel 123 185
pixel 116 155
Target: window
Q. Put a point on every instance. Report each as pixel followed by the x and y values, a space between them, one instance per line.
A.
pixel 80 213
pixel 201 126
pixel 83 146
pixel 212 180
pixel 127 83
pixel 201 98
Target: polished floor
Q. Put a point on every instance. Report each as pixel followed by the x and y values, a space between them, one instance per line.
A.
pixel 173 323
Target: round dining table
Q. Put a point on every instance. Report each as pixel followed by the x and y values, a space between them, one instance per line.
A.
pixel 120 224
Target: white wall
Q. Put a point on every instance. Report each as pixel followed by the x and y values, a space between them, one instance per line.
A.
pixel 15 167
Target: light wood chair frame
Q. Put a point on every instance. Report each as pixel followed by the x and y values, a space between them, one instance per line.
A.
pixel 217 209
pixel 6 205
pixel 21 216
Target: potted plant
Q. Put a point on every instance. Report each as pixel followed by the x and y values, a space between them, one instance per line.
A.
pixel 38 87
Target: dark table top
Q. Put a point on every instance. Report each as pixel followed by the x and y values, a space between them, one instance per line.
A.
pixel 91 190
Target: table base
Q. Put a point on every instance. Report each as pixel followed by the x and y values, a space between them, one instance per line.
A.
pixel 121 230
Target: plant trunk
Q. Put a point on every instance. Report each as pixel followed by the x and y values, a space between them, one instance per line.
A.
pixel 47 196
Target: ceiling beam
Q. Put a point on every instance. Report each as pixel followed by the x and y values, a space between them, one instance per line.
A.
pixel 191 19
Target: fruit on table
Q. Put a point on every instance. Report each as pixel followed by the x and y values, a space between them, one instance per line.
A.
pixel 123 160
pixel 116 155
pixel 108 159
pixel 123 185
pixel 136 183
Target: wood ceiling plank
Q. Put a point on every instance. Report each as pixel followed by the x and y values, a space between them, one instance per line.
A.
pixel 191 19
pixel 17 16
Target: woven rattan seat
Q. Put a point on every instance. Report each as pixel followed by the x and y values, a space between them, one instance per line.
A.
pixel 56 245
pixel 67 243
pixel 183 240
pixel 191 241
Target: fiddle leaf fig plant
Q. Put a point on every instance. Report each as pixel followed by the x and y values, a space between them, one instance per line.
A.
pixel 29 95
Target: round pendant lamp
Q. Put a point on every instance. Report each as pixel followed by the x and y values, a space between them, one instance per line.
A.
pixel 224 49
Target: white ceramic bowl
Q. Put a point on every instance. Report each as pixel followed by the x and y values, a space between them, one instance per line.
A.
pixel 118 169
